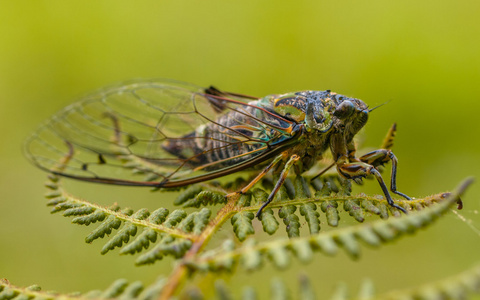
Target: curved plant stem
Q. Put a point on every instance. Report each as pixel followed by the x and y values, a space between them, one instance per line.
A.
pixel 180 272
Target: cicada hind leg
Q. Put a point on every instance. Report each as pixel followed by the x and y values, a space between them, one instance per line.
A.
pixel 288 165
pixel 283 175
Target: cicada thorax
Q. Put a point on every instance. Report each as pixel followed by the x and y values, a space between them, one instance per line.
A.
pixel 297 106
pixel 291 106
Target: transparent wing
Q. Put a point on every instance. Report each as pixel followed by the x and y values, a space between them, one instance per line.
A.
pixel 157 133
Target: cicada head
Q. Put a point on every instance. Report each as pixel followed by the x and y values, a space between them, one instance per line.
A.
pixel 350 115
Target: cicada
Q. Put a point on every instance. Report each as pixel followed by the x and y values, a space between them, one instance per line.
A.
pixel 169 134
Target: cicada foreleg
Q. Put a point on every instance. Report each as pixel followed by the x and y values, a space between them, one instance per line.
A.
pixel 380 157
pixel 358 170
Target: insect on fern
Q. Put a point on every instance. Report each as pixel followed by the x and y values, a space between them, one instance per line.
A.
pixel 168 134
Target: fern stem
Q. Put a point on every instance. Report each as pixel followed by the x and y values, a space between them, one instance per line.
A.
pixel 180 271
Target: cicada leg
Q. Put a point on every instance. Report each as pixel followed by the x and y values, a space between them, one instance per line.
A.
pixel 357 170
pixel 274 162
pixel 380 157
pixel 288 165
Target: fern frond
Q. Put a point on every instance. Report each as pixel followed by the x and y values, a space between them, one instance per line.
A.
pixel 269 222
pixel 87 212
pixel 242 224
pixel 188 193
pixel 193 223
pixel 201 194
pixel 148 235
pixel 124 234
pixel 309 211
pixel 374 234
pixel 120 289
pixel 173 232
pixel 166 246
pixel 278 290
pixel 456 287
pixel 290 219
pixel 331 192
pixel 205 198
pixel 358 206
pixel 301 188
pixel 329 207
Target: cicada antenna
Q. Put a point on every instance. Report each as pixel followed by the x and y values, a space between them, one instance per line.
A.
pixel 379 105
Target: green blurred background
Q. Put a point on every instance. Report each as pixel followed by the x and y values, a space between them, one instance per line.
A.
pixel 422 56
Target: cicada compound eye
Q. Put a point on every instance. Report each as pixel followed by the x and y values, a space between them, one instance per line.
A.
pixel 344 110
